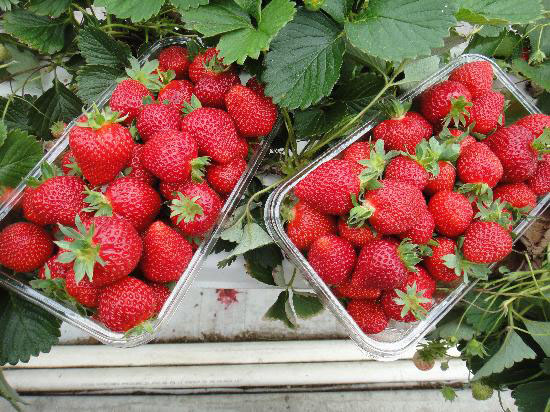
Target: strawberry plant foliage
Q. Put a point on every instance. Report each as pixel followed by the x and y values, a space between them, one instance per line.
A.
pixel 499 12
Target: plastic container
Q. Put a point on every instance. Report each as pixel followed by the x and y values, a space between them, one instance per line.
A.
pixel 8 213
pixel 398 337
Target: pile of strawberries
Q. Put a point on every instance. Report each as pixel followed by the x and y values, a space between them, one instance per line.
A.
pixel 431 197
pixel 142 184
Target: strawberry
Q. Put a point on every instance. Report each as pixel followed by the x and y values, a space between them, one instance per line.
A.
pixel 211 89
pixel 421 233
pixel 435 263
pixel 242 148
pixel 256 86
pixel 176 93
pixel 512 145
pixel 69 165
pixel 368 315
pixel 253 114
pixel 486 242
pixel 356 152
pixel 384 264
pixel 486 112
pixel 478 165
pixel 452 212
pixel 161 292
pixel 172 156
pixel 206 63
pixel 166 253
pixel 539 183
pixel 224 177
pixel 53 269
pixel 174 58
pixel 105 249
pixel 518 195
pixel 465 141
pixel 407 170
pixel 349 290
pixel 101 146
pixel 445 180
pixel 139 171
pixel 476 76
pixel 333 258
pixel 83 291
pixel 214 132
pixel 126 304
pixel 391 209
pixel 358 236
pixel 328 187
pixel 24 246
pixel 306 225
pixel 444 99
pixel 196 208
pixel 157 117
pixel 535 123
pixel 169 191
pixel 423 362
pixel 129 198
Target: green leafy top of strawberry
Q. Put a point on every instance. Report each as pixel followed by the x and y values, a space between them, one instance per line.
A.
pixel 463 267
pixel 166 77
pixel 215 65
pixel 146 74
pixel 98 118
pixel 98 203
pixel 359 214
pixel 188 107
pixel 429 152
pixel 542 143
pixel 394 109
pixel 185 208
pixel 375 165
pixel 409 253
pixel 197 168
pixel 58 128
pixel 459 111
pixel 55 289
pixel 47 172
pixel 142 328
pixel 495 211
pixel 412 300
pixel 480 191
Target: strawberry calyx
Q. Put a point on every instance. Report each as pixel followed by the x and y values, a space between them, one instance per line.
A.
pixel 74 169
pixel 197 168
pixel 428 153
pixel 96 118
pixel 146 74
pixel 480 191
pixel 98 203
pixel 409 253
pixel 542 143
pixel 395 109
pixel 55 289
pixel 142 328
pixel 47 172
pixel 360 212
pixel 375 165
pixel 459 112
pixel 412 301
pixel 58 128
pixel 495 211
pixel 463 267
pixel 185 208
pixel 193 104
pixel 166 77
pixel 215 65
pixel 287 209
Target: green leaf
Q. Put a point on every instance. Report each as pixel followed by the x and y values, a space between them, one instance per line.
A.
pixel 39 32
pixel 398 29
pixel 304 62
pixel 5 5
pixel 249 41
pixel 540 332
pixel 545 366
pixel 23 67
pixel 505 45
pixel 218 17
pixel 499 11
pixel 483 314
pixel 306 305
pixel 16 112
pixel 97 47
pixel 184 5
pixel 57 103
pixel 93 80
pixel 539 36
pixel 537 74
pixel 418 70
pixel 135 10
pixel 26 330
pixel 448 393
pixel 461 331
pixel 513 350
pixel 52 8
pixel 532 396
pixel 277 310
pixel 359 91
pixel 252 7
pixel 3 132
pixel 256 270
pixel 18 155
pixel 315 121
pixel 337 9
pixel 253 236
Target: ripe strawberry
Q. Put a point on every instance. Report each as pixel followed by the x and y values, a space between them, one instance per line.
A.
pixel 177 93
pixel 486 242
pixel 329 186
pixel 436 265
pixel 83 291
pixel 166 253
pixel 464 141
pixel 368 315
pixel 452 212
pixel 172 156
pixel 242 148
pixel 306 225
pixel 486 112
pixel 105 249
pixel 55 269
pixel 69 165
pixel 174 58
pixel 437 102
pixel 138 170
pixel 333 258
pixel 214 132
pixel 196 209
pixel 539 183
pixel 516 194
pixel 512 145
pixel 253 114
pixel 445 180
pixel 126 304
pixel 357 151
pixel 24 246
pixel 358 236
pixel 256 86
pixel 169 191
pixel 421 233
pixel 403 131
pixel 129 198
pixel 349 290
pixel 476 76
pixel 224 177
pixel 161 292
pixel 101 146
pixel 211 89
pixel 407 170
pixel 535 123
pixel 157 117
pixel 204 64
pixel 477 164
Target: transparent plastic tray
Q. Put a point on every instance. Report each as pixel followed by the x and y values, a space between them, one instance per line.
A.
pixel 9 213
pixel 399 336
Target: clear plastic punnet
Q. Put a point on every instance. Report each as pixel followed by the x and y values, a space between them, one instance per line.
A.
pixel 399 337
pixel 9 213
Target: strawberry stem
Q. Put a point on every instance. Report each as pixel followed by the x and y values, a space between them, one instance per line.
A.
pixel 359 214
pixel 197 168
pixel 409 254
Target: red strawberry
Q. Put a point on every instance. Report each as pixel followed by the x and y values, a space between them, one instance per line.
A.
pixel 196 208
pixel 69 165
pixel 256 86
pixel 205 64
pixel 24 246
pixel 486 112
pixel 403 131
pixel 349 290
pixel 161 292
pixel 138 170
pixel 166 253
pixel 101 147
pixel 253 114
pixel 436 265
pixel 512 145
pixel 157 117
pixel 421 233
pixel 437 102
pixel 407 170
pixel 476 76
pixel 169 190
pixel 329 186
pixel 84 291
pixel 486 242
pixel 126 304
pixel 368 315
pixel 306 225
pixel 445 180
pixel 174 58
pixel 242 148
pixel 358 236
pixel 452 212
pixel 211 89
pixel 516 194
pixel 357 151
pixel 333 258
pixel 224 177
pixel 55 269
pixel 477 164
pixel 214 132
pixel 539 183
pixel 535 123
pixel 105 249
pixel 172 156
pixel 177 93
